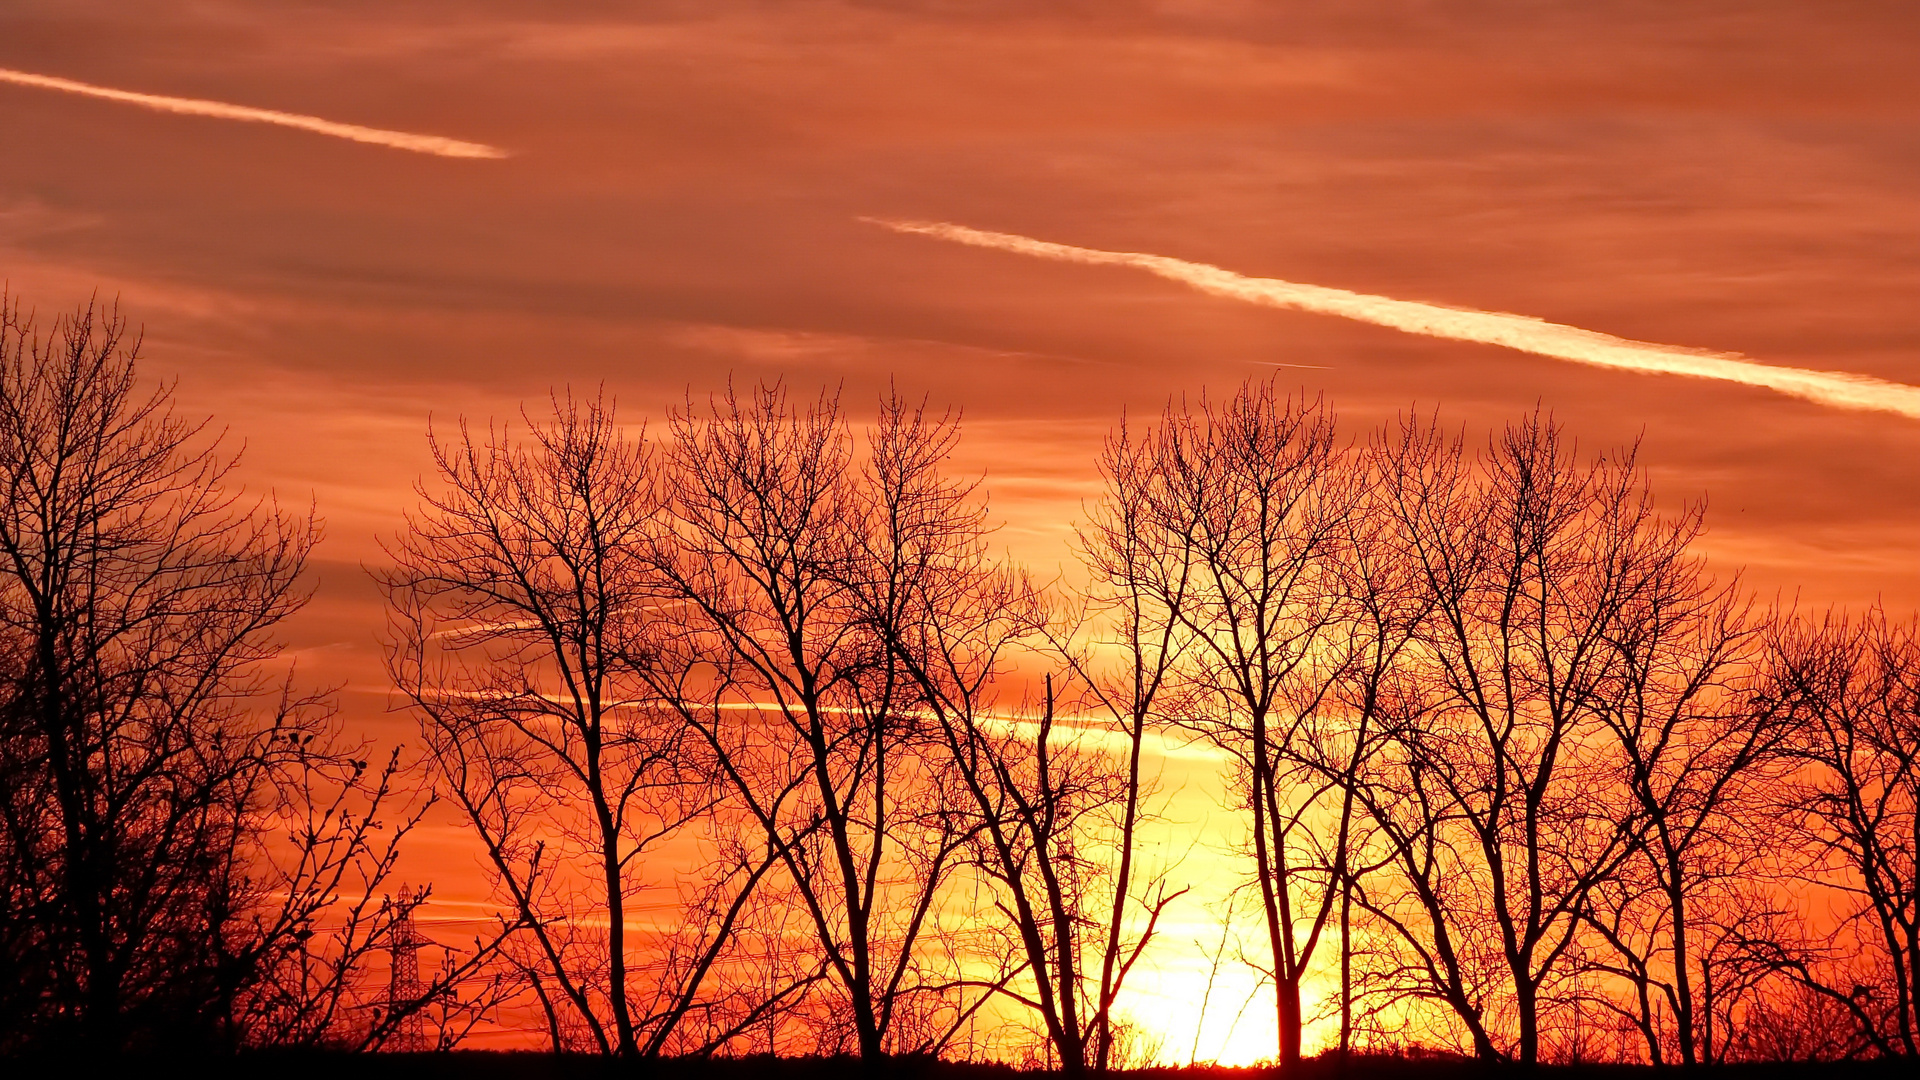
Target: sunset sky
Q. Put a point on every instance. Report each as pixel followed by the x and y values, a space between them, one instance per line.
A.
pixel 685 189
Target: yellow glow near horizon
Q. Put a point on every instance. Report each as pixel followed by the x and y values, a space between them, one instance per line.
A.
pixel 1189 1012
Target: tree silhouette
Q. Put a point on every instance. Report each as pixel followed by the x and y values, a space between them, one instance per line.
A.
pixel 773 555
pixel 176 819
pixel 1242 515
pixel 1497 796
pixel 524 635
pixel 1851 687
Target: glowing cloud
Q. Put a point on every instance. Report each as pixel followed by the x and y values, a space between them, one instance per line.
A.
pixel 1522 332
pixel 399 140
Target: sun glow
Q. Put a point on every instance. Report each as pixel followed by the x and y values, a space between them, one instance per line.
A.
pixel 1189 1013
pixel 1190 1010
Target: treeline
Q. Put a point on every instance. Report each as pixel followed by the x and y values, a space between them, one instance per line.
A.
pixel 767 749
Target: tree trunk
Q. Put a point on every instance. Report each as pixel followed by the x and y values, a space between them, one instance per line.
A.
pixel 1527 999
pixel 617 946
pixel 1346 966
pixel 1683 1021
pixel 1289 994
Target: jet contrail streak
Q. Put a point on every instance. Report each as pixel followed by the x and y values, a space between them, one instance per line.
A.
pixel 1522 332
pixel 399 140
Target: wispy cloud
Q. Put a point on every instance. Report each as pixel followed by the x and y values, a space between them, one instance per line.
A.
pixel 398 140
pixel 1522 332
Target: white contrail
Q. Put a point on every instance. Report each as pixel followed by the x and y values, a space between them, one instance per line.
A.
pixel 399 140
pixel 1522 332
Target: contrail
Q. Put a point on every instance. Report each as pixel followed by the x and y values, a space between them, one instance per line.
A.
pixel 399 140
pixel 1522 332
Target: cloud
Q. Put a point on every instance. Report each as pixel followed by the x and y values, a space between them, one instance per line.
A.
pixel 398 140
pixel 1521 332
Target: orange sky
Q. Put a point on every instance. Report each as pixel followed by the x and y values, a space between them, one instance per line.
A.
pixel 682 196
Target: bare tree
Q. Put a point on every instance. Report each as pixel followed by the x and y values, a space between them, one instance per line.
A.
pixel 1852 690
pixel 1138 582
pixel 775 558
pixel 1244 508
pixel 1696 754
pixel 176 819
pixel 524 611
pixel 1500 796
pixel 1362 661
pixel 1035 795
pixel 1741 929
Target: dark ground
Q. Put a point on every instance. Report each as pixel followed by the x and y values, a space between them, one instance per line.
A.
pixel 472 1065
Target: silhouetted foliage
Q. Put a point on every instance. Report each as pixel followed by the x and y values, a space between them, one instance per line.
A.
pixel 177 818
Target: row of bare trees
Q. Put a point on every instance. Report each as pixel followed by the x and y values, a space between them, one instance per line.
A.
pixel 1497 729
pixel 762 674
pixel 768 749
